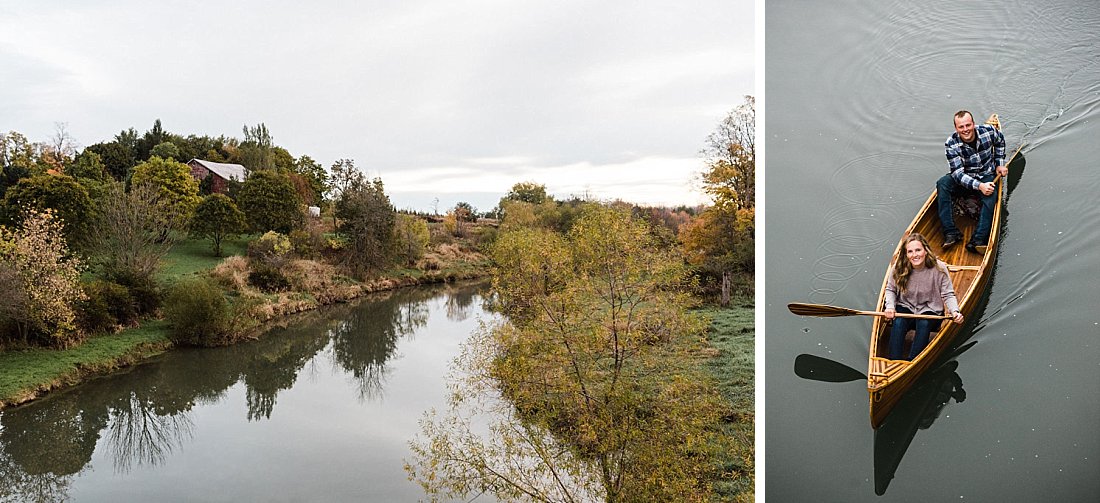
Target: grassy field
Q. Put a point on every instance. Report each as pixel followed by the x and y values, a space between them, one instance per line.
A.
pixel 732 334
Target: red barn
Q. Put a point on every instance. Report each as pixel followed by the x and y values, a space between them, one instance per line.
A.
pixel 221 173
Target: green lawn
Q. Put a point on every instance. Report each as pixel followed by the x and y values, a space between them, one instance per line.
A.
pixel 193 255
pixel 23 372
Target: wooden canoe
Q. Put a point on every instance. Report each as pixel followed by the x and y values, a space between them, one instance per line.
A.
pixel 887 380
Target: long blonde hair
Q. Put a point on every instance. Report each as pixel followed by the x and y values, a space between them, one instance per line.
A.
pixel 903 269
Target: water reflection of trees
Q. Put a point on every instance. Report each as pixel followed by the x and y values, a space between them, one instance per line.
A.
pixel 363 341
pixel 145 415
pixel 16 485
pixel 138 435
pixel 459 302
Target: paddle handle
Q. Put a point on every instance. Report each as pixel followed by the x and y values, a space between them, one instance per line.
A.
pixel 908 315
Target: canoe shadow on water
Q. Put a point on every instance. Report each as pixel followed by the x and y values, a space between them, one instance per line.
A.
pixel 917 409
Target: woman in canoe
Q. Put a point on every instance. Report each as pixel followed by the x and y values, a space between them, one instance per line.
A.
pixel 918 283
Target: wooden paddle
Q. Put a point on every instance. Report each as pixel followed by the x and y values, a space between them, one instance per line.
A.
pixel 824 311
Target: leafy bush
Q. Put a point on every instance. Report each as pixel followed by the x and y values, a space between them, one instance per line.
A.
pixel 272 249
pixel 40 281
pixel 411 237
pixel 268 278
pixel 199 314
pixel 144 290
pixel 107 306
pixel 308 242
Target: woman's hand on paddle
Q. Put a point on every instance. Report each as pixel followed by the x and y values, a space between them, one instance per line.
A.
pixel 958 318
pixel 889 314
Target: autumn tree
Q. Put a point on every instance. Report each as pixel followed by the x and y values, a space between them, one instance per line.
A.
pixel 528 192
pixel 177 190
pixel 270 202
pixel 41 281
pixel 70 202
pixel 577 380
pixel 721 240
pixel 216 218
pixel 344 175
pixel 61 148
pixel 367 222
pixel 411 237
pixel 457 220
pixel 730 156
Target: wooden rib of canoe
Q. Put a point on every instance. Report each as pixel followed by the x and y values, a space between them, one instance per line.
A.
pixel 887 380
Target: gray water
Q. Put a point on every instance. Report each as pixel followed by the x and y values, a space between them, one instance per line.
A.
pixel 321 410
pixel 859 100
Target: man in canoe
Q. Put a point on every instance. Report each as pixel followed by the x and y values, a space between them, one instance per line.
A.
pixel 975 154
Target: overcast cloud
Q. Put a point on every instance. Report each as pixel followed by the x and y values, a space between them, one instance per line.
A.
pixel 451 99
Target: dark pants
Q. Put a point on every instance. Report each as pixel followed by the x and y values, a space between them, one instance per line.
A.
pixel 946 189
pixel 903 325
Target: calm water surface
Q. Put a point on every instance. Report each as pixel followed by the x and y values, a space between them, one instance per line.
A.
pixel 321 410
pixel 860 97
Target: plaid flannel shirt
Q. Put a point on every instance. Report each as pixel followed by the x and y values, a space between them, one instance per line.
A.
pixel 967 165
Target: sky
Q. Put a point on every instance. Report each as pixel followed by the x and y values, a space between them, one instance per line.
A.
pixel 445 101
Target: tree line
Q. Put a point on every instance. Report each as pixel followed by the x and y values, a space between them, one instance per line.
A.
pixel 117 208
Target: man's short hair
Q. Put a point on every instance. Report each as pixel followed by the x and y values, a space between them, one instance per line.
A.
pixel 963 113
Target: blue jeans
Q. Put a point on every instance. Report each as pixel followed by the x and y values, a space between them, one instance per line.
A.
pixel 946 189
pixel 903 325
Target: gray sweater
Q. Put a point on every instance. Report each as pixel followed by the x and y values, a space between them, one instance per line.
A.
pixel 929 289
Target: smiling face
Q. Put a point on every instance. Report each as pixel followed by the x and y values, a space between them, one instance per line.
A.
pixel 915 252
pixel 965 127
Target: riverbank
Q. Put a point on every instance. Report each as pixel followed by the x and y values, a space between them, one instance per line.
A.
pixel 27 374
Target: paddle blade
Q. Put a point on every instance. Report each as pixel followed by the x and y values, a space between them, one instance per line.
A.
pixel 820 310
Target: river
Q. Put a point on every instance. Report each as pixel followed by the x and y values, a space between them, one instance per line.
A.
pixel 859 100
pixel 319 410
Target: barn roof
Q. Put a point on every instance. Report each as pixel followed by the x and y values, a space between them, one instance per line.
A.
pixel 224 170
